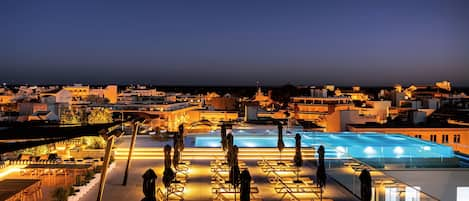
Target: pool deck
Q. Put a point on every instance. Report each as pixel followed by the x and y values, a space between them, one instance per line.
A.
pixel 198 184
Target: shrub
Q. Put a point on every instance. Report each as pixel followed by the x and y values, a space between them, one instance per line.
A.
pixel 60 194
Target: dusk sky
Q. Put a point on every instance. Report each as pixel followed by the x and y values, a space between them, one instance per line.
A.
pixel 234 42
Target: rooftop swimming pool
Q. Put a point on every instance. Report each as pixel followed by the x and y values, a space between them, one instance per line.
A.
pixel 338 145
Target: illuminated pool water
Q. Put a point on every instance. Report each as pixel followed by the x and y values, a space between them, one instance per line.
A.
pixel 356 145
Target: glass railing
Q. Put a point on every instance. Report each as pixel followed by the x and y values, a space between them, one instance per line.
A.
pixel 385 187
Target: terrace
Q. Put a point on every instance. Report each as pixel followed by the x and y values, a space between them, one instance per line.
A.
pixel 207 175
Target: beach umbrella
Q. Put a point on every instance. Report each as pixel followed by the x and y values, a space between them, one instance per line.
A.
pixel 233 156
pixel 176 157
pixel 234 177
pixel 176 140
pixel 280 144
pixel 321 175
pixel 321 153
pixel 321 170
pixel 365 181
pixel 234 171
pixel 245 189
pixel 167 156
pixel 229 146
pixel 223 137
pixel 149 182
pixel 168 174
pixel 178 143
pixel 298 159
pixel 180 139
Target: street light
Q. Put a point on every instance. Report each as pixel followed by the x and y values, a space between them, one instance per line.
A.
pixel 136 125
pixel 109 136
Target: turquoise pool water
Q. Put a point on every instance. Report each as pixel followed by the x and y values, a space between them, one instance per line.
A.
pixel 356 145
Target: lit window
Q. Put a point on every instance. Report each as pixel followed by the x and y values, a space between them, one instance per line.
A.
pixel 433 138
pixel 444 139
pixel 457 138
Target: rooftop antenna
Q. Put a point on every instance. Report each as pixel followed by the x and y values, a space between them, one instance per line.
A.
pixel 258 85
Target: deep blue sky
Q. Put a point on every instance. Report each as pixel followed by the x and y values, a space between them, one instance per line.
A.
pixel 234 43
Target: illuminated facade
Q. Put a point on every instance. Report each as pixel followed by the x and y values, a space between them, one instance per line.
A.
pixel 316 109
pixel 110 93
pixel 6 99
pixel 78 91
pixel 264 101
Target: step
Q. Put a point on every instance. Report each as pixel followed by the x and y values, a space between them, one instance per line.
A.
pixel 217 153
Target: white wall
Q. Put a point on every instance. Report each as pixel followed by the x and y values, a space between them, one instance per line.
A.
pixel 440 183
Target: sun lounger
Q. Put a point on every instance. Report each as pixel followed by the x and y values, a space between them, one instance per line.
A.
pixel 230 197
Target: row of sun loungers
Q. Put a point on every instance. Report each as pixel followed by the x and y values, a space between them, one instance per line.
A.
pixel 175 191
pixel 222 190
pixel 283 176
